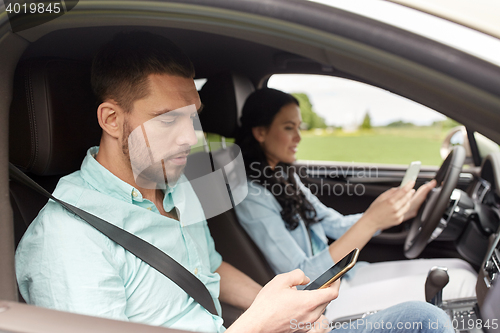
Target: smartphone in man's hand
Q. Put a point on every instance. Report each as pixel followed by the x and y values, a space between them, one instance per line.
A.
pixel 335 272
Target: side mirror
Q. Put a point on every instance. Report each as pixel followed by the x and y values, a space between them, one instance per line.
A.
pixel 457 136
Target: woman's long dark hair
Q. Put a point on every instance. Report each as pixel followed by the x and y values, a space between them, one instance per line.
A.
pixel 260 109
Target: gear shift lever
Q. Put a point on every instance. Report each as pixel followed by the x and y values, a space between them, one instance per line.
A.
pixel 437 279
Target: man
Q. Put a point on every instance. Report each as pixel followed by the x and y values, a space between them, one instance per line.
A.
pixel 134 180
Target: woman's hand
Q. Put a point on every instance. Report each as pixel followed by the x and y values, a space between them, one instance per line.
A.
pixel 390 207
pixel 418 199
pixel 388 210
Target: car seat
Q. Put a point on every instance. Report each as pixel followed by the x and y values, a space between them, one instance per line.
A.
pixel 52 123
pixel 223 97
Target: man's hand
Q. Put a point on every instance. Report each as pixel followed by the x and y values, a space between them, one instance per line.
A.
pixel 280 307
pixel 418 199
pixel 389 208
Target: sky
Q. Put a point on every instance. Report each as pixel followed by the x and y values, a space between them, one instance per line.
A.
pixel 343 102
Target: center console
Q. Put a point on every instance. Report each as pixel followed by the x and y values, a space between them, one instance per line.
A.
pixel 481 314
pixel 473 315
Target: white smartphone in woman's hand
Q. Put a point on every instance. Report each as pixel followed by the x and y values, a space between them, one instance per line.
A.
pixel 411 173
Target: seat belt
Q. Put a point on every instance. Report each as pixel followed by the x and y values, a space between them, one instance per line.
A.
pixel 143 250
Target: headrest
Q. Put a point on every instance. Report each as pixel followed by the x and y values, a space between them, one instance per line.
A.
pixel 223 97
pixel 53 117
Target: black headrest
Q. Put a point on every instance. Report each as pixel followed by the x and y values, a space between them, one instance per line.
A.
pixel 53 117
pixel 223 97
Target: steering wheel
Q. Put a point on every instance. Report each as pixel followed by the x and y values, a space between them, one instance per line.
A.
pixel 431 211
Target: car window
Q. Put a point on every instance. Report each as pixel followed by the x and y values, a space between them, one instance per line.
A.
pixel 349 121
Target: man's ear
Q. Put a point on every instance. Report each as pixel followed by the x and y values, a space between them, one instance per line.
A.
pixel 109 116
pixel 259 133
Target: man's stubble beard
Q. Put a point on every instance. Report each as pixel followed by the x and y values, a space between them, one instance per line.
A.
pixel 167 178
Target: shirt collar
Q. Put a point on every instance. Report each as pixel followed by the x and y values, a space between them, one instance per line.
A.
pixel 106 182
pixel 102 180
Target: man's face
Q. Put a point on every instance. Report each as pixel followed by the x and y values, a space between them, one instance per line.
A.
pixel 159 131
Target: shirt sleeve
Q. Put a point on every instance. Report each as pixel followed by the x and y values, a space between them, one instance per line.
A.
pixel 263 222
pixel 63 263
pixel 333 223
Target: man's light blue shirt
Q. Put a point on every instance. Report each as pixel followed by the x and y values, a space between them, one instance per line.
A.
pixel 286 250
pixel 64 263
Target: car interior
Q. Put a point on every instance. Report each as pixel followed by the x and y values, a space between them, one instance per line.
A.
pixel 52 123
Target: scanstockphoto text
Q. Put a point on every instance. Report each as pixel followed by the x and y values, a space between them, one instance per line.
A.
pixel 365 324
pixel 456 324
pixel 325 184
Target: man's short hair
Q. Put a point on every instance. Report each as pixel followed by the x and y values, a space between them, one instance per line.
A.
pixel 121 68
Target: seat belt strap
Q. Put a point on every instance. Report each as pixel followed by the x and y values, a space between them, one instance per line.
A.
pixel 143 250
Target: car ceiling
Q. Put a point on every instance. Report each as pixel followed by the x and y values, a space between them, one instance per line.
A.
pixel 210 53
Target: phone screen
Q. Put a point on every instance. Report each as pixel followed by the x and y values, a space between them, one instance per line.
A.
pixel 411 173
pixel 335 272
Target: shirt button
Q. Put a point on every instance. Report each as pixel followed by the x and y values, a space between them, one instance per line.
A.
pixel 135 194
pixel 195 271
pixel 150 208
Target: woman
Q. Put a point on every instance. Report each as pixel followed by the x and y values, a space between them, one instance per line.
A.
pixel 290 225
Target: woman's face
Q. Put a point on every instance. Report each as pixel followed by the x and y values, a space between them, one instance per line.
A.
pixel 280 140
